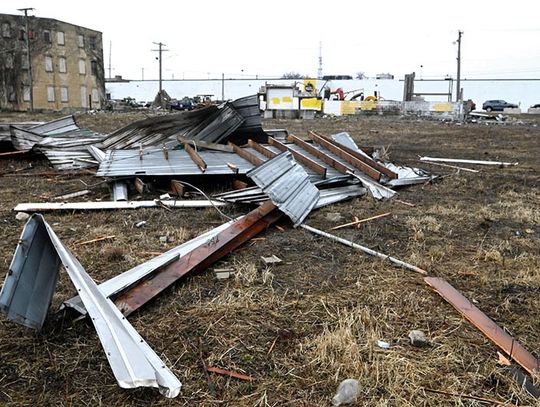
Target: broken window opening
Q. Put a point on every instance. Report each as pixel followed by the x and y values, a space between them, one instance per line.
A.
pixel 94 67
pixel 92 41
pixel 47 36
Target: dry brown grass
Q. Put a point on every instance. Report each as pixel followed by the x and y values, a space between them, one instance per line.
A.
pixel 303 326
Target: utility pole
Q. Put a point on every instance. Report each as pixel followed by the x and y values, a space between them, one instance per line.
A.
pixel 28 59
pixel 458 96
pixel 160 51
pixel 110 55
pixel 319 72
pixel 223 87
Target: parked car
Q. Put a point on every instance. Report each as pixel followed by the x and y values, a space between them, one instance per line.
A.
pixel 536 106
pixel 184 104
pixel 499 105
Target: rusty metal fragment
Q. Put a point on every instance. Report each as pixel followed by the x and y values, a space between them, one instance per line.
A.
pixel 494 332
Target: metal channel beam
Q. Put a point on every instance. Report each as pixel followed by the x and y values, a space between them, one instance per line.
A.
pixel 494 332
pixel 360 165
pixel 199 258
pixel 195 156
pixel 261 149
pixel 344 169
pixel 372 163
pixel 301 158
pixel 246 155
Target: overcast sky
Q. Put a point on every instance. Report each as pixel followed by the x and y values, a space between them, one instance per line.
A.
pixel 246 38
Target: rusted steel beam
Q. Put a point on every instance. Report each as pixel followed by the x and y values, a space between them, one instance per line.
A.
pixel 360 165
pixel 197 159
pixel 246 155
pixel 494 332
pixel 372 163
pixel 261 149
pixel 320 154
pixel 301 158
pixel 199 258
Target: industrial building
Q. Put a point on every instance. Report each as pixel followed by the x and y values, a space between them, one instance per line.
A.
pixel 65 70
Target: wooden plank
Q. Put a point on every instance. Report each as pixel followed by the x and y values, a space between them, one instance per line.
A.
pixel 486 325
pixel 246 155
pixel 358 222
pixel 320 154
pixel 358 164
pixel 301 158
pixel 261 149
pixel 178 188
pixel 194 155
pixel 369 161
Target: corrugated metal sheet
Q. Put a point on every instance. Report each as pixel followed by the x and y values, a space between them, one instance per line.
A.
pixel 158 130
pixel 217 126
pixel 118 163
pixel 28 291
pixel 57 126
pixel 287 185
pixel 5 128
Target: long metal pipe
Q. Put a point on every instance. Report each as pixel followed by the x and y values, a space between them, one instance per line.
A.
pixel 365 249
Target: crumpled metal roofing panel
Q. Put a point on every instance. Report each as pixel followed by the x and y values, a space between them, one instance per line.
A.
pixel 38 255
pixel 287 185
pixel 56 126
pixel 118 163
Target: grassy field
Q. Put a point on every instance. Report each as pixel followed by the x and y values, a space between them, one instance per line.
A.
pixel 301 327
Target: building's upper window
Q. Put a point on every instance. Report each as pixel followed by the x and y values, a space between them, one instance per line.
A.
pixel 50 93
pixel 47 36
pixel 94 67
pixel 24 62
pixel 6 30
pixel 26 93
pixel 8 61
pixel 22 34
pixel 80 40
pixel 12 96
pixel 92 41
pixel 82 66
pixel 48 63
pixel 62 65
pixel 64 94
pixel 60 38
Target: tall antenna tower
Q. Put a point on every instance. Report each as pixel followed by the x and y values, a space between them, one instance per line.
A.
pixel 319 72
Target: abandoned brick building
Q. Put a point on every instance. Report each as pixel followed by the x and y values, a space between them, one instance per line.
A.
pixel 66 65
